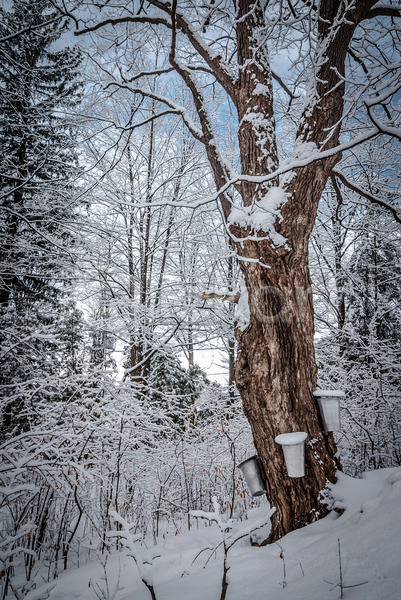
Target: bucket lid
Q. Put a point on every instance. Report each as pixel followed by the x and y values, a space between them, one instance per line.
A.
pixel 291 439
pixel 329 394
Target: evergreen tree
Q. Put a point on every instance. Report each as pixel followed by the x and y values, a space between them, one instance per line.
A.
pixel 372 349
pixel 173 390
pixel 38 86
pixel 374 297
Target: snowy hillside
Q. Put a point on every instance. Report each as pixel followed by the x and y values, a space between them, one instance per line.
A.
pixel 304 565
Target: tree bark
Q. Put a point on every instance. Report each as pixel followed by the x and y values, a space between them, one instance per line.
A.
pixel 276 376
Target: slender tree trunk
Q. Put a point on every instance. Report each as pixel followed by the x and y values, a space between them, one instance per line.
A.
pixel 224 582
pixel 231 338
pixel 231 368
pixel 190 342
pixel 338 232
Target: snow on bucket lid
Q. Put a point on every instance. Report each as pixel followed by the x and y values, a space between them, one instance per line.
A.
pixel 329 394
pixel 291 439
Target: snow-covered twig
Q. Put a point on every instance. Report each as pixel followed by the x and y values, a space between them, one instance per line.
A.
pixel 129 539
pixel 228 540
pixel 106 593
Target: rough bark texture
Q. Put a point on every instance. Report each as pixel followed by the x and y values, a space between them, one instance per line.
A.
pixel 276 376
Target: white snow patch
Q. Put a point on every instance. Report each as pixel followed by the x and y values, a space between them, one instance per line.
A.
pixel 301 151
pixel 242 312
pixel 257 119
pixel 261 90
pixel 262 215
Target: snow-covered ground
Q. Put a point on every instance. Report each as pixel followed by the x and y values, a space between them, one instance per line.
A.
pixel 369 531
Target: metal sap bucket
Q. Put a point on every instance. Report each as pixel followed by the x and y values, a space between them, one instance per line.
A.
pixel 253 477
pixel 329 406
pixel 294 452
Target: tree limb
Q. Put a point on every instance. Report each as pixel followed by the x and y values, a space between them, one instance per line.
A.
pixel 382 11
pixel 287 90
pixel 223 297
pixel 367 195
pixel 216 63
pixel 176 108
pixel 127 19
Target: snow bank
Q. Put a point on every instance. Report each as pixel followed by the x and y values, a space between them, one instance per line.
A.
pixel 369 531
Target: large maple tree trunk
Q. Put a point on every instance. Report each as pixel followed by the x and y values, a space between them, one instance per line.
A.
pixel 276 377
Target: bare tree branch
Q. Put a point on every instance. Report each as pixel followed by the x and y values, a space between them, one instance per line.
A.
pixel 127 19
pixel 216 63
pixel 355 188
pixel 287 90
pixel 175 108
pixel 224 297
pixel 382 11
